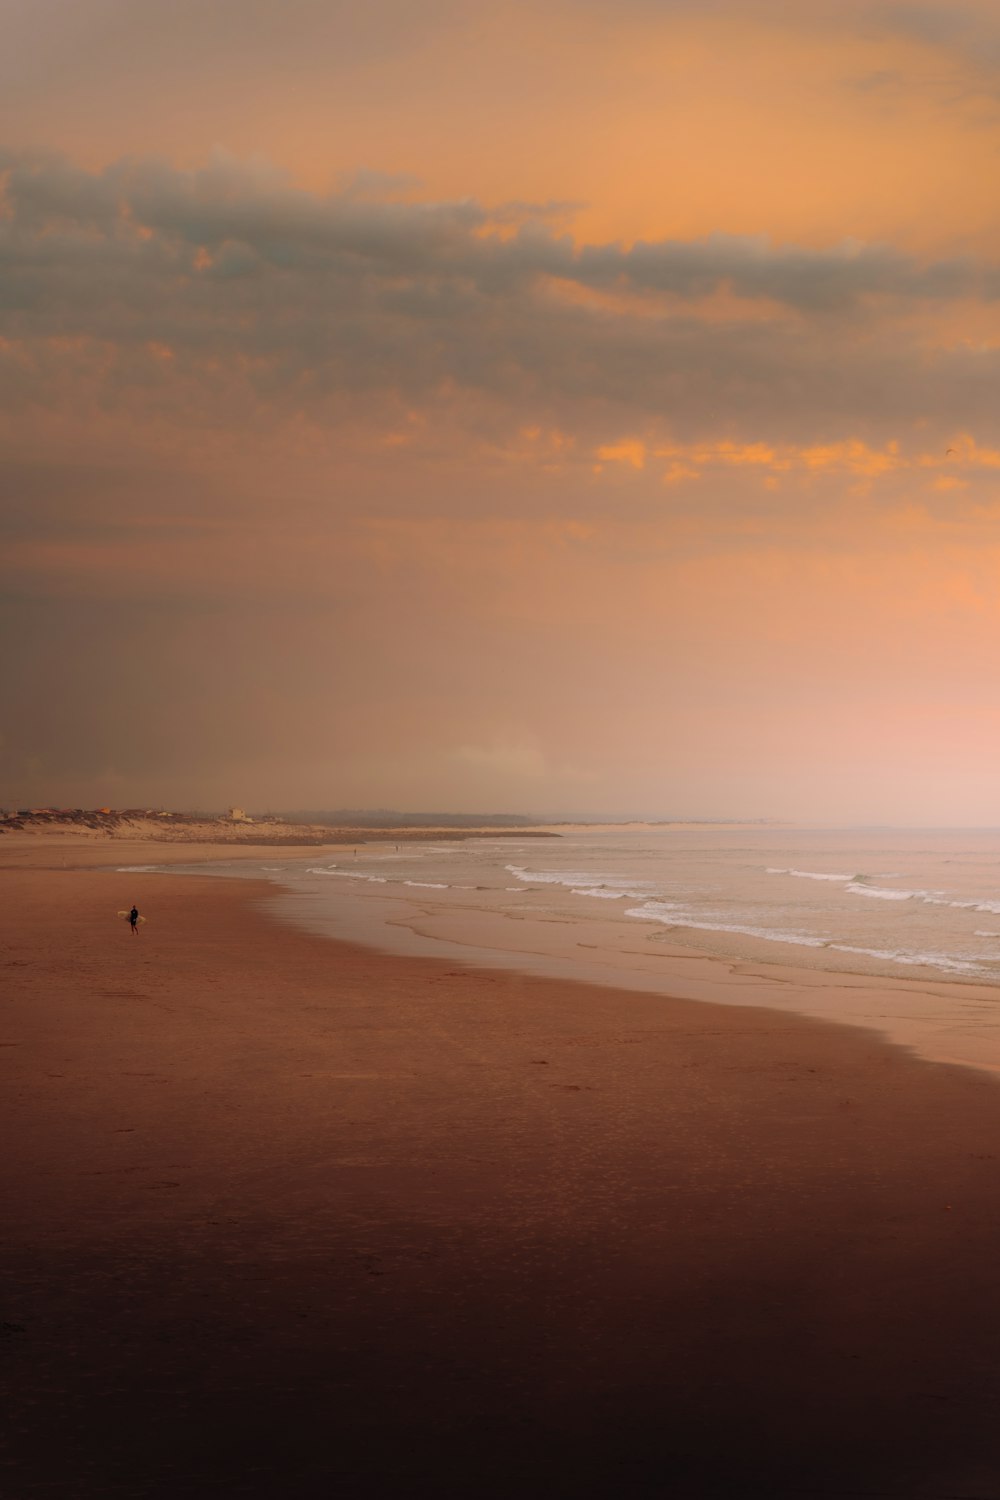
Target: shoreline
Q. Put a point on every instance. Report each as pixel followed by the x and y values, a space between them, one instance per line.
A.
pixel 293 1213
pixel 904 1010
pixel 900 1010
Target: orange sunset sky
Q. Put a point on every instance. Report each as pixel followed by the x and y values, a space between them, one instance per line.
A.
pixel 571 406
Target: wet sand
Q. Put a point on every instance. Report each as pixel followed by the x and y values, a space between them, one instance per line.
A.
pixel 288 1217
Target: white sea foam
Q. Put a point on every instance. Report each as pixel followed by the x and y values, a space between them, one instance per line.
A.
pixel 810 874
pixel 552 877
pixel 883 893
pixel 136 869
pixel 585 883
pixel 658 911
pixel 431 885
pixel 929 898
pixel 350 875
pixel 673 915
pixel 922 960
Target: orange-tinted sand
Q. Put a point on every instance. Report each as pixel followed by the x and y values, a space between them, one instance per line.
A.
pixel 288 1218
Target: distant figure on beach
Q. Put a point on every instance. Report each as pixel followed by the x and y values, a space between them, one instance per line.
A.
pixel 133 919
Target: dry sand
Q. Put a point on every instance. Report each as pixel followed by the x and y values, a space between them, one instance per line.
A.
pixel 290 1218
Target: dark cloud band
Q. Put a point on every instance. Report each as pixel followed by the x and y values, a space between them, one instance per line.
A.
pixel 253 284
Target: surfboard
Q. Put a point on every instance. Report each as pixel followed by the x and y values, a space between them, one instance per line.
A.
pixel 125 915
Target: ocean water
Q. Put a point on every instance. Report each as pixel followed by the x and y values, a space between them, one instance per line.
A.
pixel 896 930
pixel 864 902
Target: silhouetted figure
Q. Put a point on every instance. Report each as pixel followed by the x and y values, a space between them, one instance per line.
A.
pixel 133 919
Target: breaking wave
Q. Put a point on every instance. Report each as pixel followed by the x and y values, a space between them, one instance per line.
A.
pixel 672 914
pixel 584 883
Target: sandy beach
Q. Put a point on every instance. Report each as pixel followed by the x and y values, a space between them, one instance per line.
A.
pixel 289 1217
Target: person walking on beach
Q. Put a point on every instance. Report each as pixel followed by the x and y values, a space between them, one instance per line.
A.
pixel 133 919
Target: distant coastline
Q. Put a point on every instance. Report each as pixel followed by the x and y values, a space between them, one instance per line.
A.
pixel 198 828
pixel 316 828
